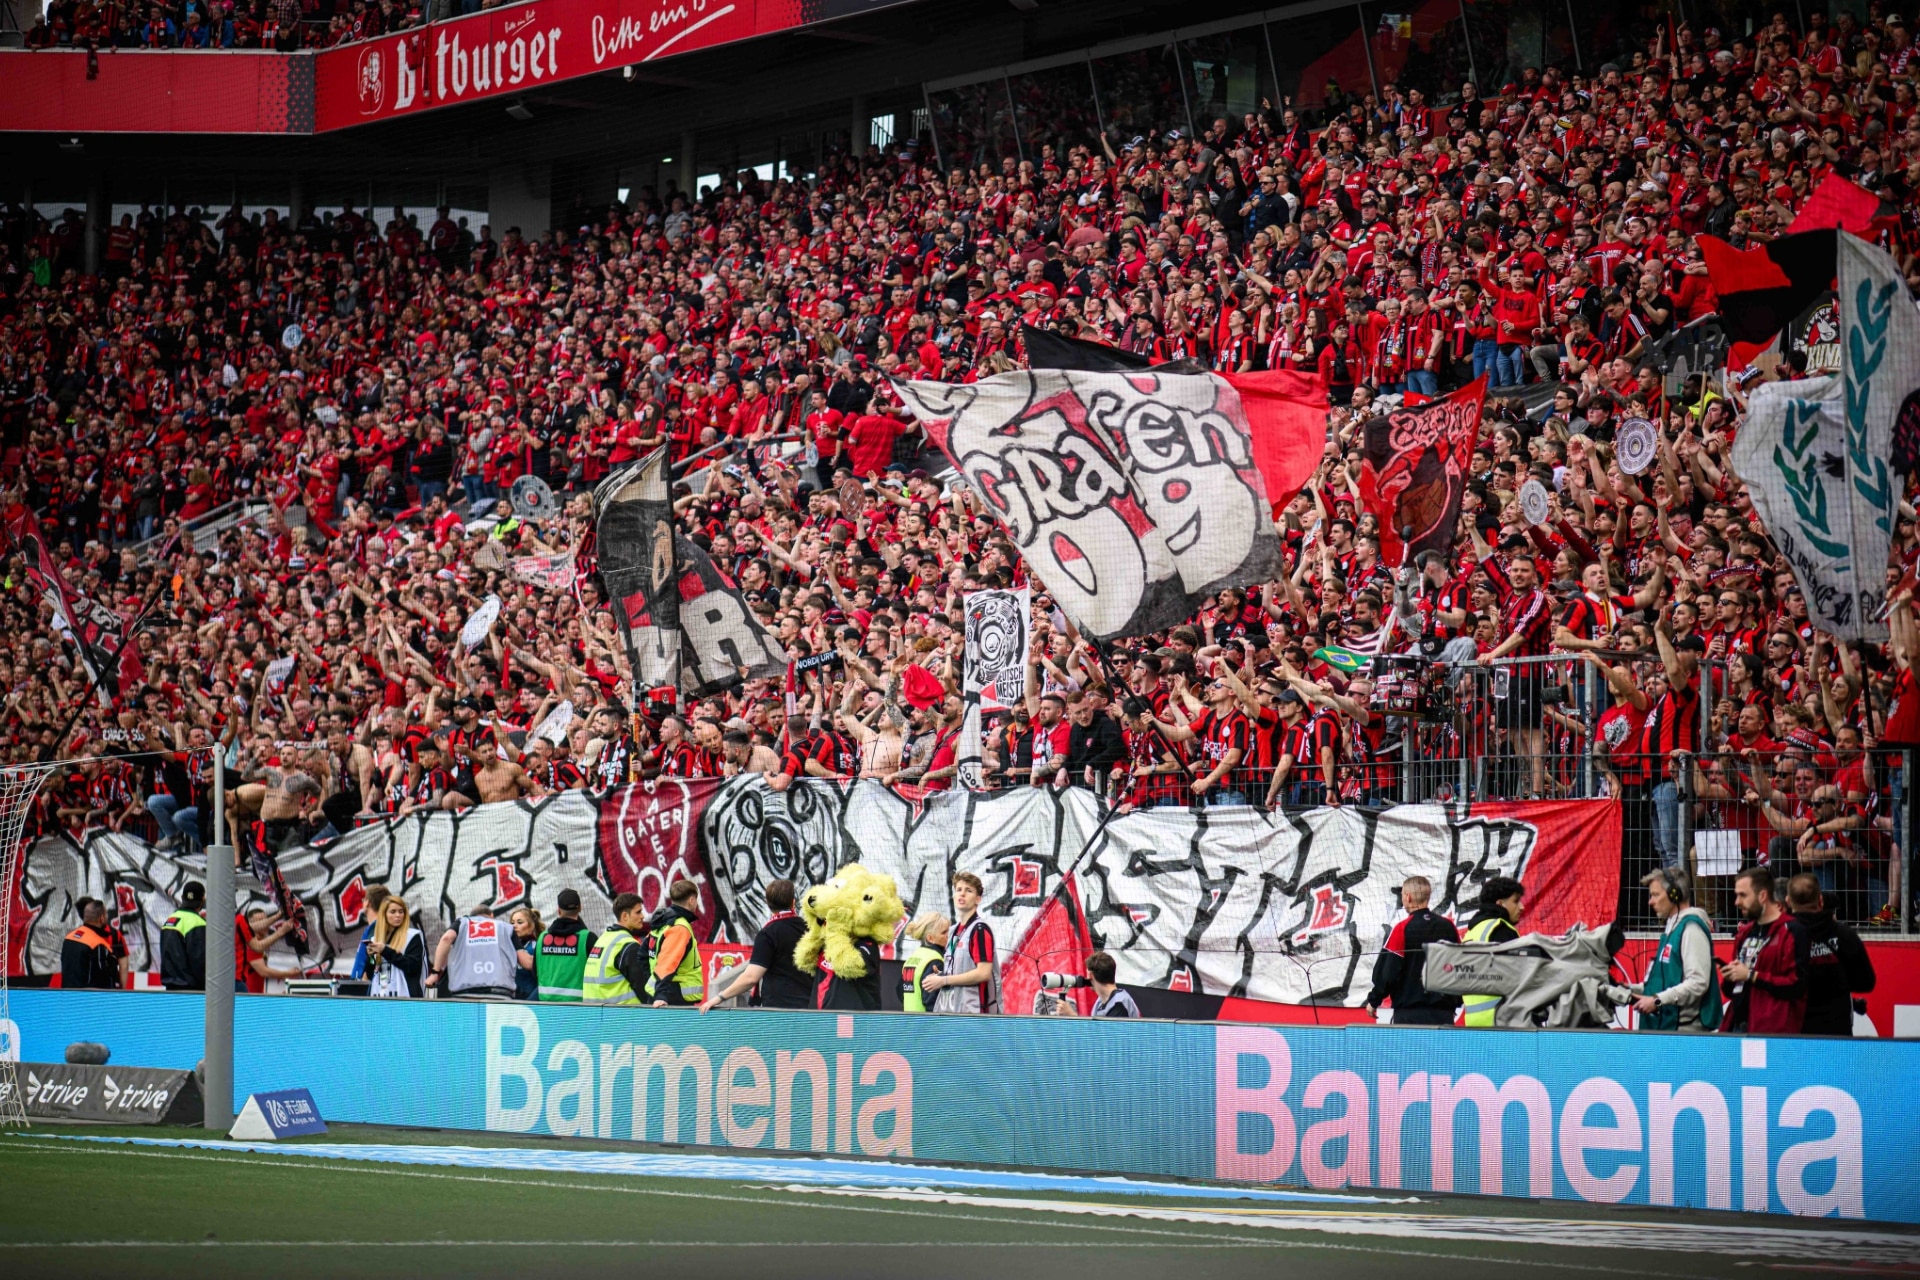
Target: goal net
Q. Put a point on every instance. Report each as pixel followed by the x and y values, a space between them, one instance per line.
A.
pixel 19 784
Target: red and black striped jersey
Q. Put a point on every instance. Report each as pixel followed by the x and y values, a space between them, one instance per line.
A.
pixel 684 760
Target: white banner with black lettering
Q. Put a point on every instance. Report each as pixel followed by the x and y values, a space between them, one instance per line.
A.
pixel 1225 902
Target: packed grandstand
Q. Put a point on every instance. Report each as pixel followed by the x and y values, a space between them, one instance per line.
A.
pixel 283 456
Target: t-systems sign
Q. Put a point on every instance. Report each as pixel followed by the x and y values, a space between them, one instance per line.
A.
pixel 518 48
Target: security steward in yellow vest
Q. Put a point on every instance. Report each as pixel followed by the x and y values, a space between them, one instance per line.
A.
pixel 617 964
pixel 183 942
pixel 928 957
pixel 678 977
pixel 1499 913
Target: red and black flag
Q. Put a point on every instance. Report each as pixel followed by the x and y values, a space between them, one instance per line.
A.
pixel 1413 471
pixel 1761 290
pixel 99 635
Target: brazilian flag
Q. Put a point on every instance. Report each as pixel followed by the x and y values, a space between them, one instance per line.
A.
pixel 1343 660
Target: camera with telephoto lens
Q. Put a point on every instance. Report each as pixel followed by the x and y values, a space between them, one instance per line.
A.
pixel 1048 1005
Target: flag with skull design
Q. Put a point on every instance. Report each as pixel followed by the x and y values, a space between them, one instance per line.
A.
pixel 1132 496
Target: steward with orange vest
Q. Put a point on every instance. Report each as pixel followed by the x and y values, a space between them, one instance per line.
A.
pixel 86 958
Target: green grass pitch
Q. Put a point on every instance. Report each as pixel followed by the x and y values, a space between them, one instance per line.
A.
pixel 92 1209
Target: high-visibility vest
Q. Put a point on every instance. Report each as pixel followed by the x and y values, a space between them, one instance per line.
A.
pixel 1479 1010
pixel 912 998
pixel 603 983
pixel 560 966
pixel 690 976
pixel 183 922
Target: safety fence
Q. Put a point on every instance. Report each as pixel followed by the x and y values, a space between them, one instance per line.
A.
pixel 1781 1125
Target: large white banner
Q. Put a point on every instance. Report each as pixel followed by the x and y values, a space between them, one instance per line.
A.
pixel 995 676
pixel 1237 902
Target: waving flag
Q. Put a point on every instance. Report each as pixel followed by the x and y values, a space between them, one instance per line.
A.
pixel 1879 370
pixel 995 674
pixel 633 537
pixel 1792 453
pixel 1837 202
pixel 101 637
pixel 686 624
pixel 1346 661
pixel 1413 471
pixel 1761 290
pixel 1286 411
pixel 1133 496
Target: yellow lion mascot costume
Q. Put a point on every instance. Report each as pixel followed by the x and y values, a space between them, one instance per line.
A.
pixel 855 903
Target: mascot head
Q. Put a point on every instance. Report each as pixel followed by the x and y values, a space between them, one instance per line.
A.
pixel 855 903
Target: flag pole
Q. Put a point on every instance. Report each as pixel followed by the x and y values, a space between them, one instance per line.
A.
pixel 1106 665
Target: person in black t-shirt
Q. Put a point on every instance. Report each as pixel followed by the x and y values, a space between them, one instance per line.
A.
pixel 853 995
pixel 781 984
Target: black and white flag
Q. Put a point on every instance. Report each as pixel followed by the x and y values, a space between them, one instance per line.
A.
pixel 997 628
pixel 1133 496
pixel 633 538
pixel 686 623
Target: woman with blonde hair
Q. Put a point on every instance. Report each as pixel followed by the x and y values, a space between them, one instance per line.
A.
pixel 929 956
pixel 527 928
pixel 395 952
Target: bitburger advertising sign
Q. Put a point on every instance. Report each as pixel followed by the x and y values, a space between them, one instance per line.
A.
pixel 517 48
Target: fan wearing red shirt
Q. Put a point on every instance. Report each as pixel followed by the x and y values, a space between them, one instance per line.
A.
pixel 1224 737
pixel 1526 628
pixel 1516 315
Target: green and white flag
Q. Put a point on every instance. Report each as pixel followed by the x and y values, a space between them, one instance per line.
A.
pixel 1879 366
pixel 1792 453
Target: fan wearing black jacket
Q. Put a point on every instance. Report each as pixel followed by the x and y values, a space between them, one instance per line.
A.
pixel 1841 967
pixel 1399 972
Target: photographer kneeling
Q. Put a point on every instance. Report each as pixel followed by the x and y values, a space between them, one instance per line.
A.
pixel 1109 1001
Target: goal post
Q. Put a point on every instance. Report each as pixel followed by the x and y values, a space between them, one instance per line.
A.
pixel 19 786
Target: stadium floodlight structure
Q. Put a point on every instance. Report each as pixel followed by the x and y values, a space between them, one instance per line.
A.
pixel 19 785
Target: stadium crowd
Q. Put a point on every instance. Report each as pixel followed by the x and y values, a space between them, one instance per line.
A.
pixel 285 25
pixel 1539 232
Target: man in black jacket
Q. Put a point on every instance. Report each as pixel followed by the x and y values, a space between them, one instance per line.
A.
pixel 86 957
pixel 782 985
pixel 1094 741
pixel 1841 967
pixel 1400 970
pixel 183 942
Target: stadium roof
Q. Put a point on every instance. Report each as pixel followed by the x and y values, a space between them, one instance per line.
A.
pixel 752 95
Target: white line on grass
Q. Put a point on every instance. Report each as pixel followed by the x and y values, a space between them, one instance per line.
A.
pixel 625 1244
pixel 1599 1233
pixel 1184 1237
